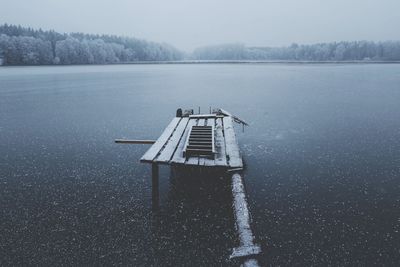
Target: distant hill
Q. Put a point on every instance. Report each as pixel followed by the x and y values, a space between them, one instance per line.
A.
pixel 27 46
pixel 337 51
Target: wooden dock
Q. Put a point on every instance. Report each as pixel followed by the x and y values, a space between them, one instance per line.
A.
pixel 170 146
pixel 206 141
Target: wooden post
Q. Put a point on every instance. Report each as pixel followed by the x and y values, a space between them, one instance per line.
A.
pixel 154 186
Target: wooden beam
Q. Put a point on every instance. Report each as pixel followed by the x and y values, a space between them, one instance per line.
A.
pixel 247 248
pixel 232 148
pixel 236 119
pixel 135 141
pixel 203 116
pixel 220 156
pixel 154 187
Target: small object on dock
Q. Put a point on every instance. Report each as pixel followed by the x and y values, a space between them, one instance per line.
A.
pixel 179 112
pixel 188 112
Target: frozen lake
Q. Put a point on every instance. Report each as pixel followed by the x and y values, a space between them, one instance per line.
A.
pixel 322 156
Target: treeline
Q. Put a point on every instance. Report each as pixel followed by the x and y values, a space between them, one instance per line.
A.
pixel 26 46
pixel 337 51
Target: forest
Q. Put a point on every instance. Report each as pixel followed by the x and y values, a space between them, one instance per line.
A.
pixel 336 51
pixel 27 46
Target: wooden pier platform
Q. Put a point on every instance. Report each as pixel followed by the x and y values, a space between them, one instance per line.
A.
pixel 207 141
pixel 215 146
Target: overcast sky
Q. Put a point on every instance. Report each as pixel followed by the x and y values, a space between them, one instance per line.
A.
pixel 187 24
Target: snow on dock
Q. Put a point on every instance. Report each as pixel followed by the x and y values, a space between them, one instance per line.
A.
pixel 210 139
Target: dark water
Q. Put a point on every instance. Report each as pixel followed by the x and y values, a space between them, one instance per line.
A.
pixel 322 155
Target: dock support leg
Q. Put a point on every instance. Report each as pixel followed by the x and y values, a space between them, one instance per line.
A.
pixel 155 191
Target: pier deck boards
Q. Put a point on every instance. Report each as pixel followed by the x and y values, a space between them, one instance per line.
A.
pixel 168 149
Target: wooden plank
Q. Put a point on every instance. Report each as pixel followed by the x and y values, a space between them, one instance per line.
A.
pixel 153 151
pixel 188 140
pixel 236 119
pixel 202 122
pixel 231 145
pixel 205 147
pixel 200 142
pixel 178 155
pixel 220 156
pixel 166 153
pixel 210 162
pixel 196 160
pixel 203 116
pixel 136 142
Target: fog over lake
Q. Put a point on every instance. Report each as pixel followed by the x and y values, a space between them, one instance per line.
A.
pixel 321 153
pixel 190 24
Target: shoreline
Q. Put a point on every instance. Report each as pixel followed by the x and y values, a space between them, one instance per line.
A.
pixel 218 62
